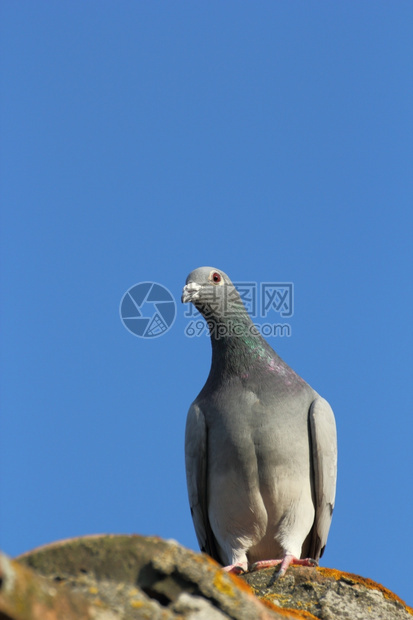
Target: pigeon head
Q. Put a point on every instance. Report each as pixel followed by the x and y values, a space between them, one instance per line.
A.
pixel 212 293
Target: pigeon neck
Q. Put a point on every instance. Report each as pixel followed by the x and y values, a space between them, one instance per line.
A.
pixel 237 346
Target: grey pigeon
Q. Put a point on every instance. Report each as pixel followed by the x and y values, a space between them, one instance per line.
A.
pixel 260 444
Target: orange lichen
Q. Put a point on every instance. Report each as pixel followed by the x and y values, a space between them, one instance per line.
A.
pixel 240 583
pixel 223 585
pixel 363 581
pixel 287 612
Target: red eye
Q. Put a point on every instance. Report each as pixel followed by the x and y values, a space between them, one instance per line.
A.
pixel 216 277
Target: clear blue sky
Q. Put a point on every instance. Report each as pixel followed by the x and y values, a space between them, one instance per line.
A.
pixel 140 140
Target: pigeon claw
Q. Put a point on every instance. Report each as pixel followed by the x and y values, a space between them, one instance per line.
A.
pixel 287 561
pixel 236 569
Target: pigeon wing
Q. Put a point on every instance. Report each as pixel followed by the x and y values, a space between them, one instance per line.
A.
pixel 324 458
pixel 196 462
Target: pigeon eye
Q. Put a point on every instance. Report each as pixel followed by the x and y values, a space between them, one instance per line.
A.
pixel 216 277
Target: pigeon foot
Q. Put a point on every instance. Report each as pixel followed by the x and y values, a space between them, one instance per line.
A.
pixel 285 563
pixel 236 569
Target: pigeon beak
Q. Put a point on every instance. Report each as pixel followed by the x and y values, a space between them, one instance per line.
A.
pixel 190 292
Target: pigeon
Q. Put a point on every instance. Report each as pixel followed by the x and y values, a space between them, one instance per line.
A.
pixel 260 444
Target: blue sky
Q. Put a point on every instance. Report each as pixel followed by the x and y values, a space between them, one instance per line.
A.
pixel 140 140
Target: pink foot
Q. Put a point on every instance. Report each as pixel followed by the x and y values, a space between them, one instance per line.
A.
pixel 285 563
pixel 264 564
pixel 236 569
